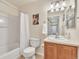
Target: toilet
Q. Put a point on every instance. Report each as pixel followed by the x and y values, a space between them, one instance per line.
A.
pixel 35 42
pixel 29 52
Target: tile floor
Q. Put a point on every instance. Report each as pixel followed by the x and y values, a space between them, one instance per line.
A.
pixel 37 57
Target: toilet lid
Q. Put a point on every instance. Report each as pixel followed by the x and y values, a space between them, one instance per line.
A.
pixel 34 39
pixel 29 50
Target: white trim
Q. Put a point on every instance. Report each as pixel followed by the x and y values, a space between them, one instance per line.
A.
pixel 38 53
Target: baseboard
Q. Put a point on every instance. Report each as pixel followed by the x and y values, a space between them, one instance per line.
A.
pixel 41 54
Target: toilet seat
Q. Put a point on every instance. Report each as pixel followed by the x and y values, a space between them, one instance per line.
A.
pixel 29 51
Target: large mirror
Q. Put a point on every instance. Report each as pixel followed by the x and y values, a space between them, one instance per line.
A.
pixel 61 15
pixel 53 22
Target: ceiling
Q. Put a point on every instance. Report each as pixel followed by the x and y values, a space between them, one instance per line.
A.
pixel 20 3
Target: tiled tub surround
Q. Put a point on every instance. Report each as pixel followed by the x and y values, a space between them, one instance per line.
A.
pixel 9 34
pixel 64 42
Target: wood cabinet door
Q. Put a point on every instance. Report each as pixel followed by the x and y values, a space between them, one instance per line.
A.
pixel 50 51
pixel 66 52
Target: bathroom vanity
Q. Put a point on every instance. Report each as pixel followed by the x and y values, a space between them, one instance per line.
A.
pixel 60 49
pixel 59 23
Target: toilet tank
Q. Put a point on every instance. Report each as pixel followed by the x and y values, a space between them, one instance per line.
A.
pixel 35 42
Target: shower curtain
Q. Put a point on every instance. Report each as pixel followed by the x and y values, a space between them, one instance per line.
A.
pixel 24 31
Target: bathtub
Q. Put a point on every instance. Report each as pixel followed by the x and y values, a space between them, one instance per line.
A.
pixel 11 55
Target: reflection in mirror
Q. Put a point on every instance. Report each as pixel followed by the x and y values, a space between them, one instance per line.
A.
pixel 53 25
pixel 70 15
pixel 61 16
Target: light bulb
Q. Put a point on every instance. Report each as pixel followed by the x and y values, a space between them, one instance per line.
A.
pixel 57 5
pixel 57 9
pixel 52 10
pixel 72 6
pixel 62 8
pixel 52 6
pixel 64 4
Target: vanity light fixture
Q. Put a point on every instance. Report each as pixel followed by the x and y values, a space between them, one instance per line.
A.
pixel 58 6
pixel 57 9
pixel 72 6
pixel 62 8
pixel 64 4
pixel 52 10
pixel 52 5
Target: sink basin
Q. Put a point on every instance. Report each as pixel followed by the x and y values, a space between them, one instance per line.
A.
pixel 57 38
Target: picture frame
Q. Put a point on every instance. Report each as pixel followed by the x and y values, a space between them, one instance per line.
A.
pixel 35 18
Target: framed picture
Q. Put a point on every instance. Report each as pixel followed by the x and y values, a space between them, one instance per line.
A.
pixel 35 19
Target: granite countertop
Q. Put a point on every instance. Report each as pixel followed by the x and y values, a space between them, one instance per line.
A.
pixel 62 41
